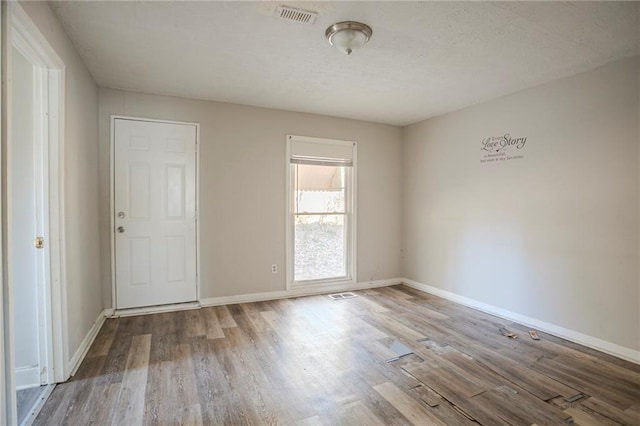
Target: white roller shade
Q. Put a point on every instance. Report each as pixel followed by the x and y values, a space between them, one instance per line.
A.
pixel 314 178
pixel 307 150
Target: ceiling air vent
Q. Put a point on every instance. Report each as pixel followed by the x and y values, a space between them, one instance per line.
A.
pixel 291 14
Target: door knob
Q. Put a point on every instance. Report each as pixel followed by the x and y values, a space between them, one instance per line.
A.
pixel 120 215
pixel 121 229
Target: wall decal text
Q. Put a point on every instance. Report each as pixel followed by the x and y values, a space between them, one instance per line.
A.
pixel 502 148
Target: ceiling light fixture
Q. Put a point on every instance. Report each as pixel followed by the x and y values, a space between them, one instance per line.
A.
pixel 348 35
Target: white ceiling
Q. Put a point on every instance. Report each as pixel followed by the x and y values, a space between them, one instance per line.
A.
pixel 424 59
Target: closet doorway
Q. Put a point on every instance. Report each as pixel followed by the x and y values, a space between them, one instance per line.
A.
pixel 34 315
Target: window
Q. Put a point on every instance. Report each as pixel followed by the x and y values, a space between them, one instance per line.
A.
pixel 321 228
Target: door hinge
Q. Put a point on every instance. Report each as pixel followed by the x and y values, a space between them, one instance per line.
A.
pixel 39 242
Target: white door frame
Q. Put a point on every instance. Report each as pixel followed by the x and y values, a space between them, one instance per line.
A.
pixel 8 413
pixel 20 32
pixel 112 229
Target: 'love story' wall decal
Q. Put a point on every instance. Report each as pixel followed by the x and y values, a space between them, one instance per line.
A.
pixel 502 148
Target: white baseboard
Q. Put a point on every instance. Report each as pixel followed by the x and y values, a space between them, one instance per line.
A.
pixel 27 377
pixel 574 336
pixel 297 292
pixel 253 297
pixel 76 360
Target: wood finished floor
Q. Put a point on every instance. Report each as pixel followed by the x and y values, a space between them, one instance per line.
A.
pixel 312 360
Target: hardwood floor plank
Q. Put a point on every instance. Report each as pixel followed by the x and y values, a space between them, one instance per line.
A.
pixel 77 397
pixel 104 339
pixel 297 358
pixel 131 402
pixel 471 368
pixel 444 380
pixel 159 393
pixel 410 408
pixel 253 314
pixel 538 384
pixel 393 327
pixel 427 395
pixel 615 377
pixel 193 323
pixel 534 382
pixel 607 410
pixel 211 381
pixel 224 317
pixel 387 297
pixel 555 346
pixel 116 360
pixel 276 388
pixel 362 328
pixel 586 381
pixel 520 407
pixel 162 346
pixel 54 411
pixel 516 372
pixel 440 407
pixel 184 391
pixel 391 292
pixel 191 416
pixel 165 323
pixel 367 304
pixel 249 384
pixel 138 325
pixel 212 326
pixel 584 418
pixel 634 410
pixel 357 414
pixel 100 406
pixel 481 413
pixel 341 384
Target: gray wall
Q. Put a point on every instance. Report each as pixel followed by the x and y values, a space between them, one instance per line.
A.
pixel 84 297
pixel 242 188
pixel 553 235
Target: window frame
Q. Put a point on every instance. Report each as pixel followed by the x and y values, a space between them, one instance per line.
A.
pixel 350 216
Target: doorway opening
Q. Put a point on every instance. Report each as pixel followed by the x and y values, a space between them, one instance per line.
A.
pixel 34 312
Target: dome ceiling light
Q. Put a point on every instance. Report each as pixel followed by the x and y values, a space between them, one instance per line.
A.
pixel 348 35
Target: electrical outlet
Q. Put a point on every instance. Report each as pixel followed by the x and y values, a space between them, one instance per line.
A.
pixel 274 269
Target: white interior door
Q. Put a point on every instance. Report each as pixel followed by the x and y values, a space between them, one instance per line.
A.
pixel 155 213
